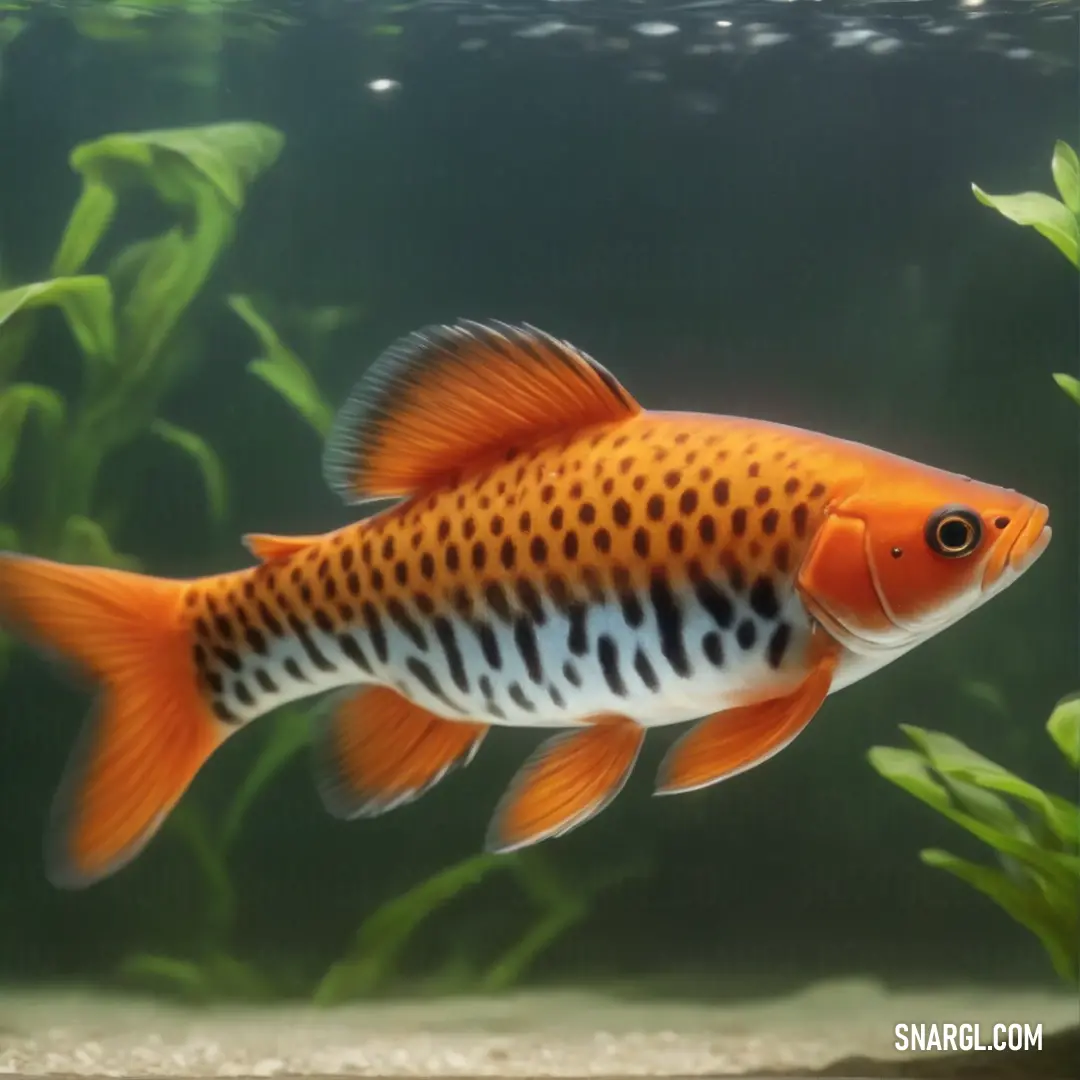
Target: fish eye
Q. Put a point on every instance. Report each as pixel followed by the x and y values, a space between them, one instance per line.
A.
pixel 954 531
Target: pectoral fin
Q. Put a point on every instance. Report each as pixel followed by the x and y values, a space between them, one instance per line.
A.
pixel 730 742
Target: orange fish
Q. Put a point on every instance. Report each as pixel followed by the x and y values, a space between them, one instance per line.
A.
pixel 557 557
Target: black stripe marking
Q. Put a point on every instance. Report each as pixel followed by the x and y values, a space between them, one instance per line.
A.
pixel 646 672
pixel 527 646
pixel 269 621
pixel 530 600
pixel 292 669
pixel 517 696
pixel 669 623
pixel 715 601
pixel 489 644
pixel 556 698
pixel 778 643
pixel 608 653
pixel 323 621
pixel 309 646
pixel 406 623
pixel 577 641
pixel 242 693
pixel 223 712
pixel 263 679
pixel 496 600
pixel 228 657
pixel 763 598
pixel 632 611
pixel 426 678
pixel 351 648
pixel 444 631
pixel 571 674
pixel 746 634
pixel 375 630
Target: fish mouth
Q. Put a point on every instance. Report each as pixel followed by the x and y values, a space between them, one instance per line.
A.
pixel 1017 553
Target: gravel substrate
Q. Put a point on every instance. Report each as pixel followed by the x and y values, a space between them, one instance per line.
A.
pixel 537 1034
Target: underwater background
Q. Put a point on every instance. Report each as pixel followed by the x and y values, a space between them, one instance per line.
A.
pixel 753 208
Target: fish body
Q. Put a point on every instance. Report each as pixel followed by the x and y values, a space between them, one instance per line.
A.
pixel 557 557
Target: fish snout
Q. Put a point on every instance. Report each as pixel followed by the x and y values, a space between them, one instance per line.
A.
pixel 1023 542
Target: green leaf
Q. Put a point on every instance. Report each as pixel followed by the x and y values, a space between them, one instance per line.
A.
pixel 16 404
pixel 204 172
pixel 1043 213
pixel 282 369
pixel 1064 728
pixel 1066 170
pixel 911 771
pixel 1024 903
pixel 86 303
pixel 213 472
pixel 1070 384
pixel 228 156
pixel 980 776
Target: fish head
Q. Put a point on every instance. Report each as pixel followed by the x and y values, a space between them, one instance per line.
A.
pixel 908 550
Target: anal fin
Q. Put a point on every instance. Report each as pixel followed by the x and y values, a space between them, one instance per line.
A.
pixel 568 779
pixel 377 750
pixel 730 742
pixel 267 548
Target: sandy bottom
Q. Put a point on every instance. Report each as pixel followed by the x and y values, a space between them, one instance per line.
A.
pixel 535 1034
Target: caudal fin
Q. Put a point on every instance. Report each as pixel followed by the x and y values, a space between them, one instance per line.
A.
pixel 151 730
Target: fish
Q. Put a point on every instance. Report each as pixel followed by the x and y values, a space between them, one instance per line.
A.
pixel 534 549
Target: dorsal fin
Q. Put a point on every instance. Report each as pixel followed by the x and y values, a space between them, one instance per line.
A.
pixel 446 396
pixel 267 548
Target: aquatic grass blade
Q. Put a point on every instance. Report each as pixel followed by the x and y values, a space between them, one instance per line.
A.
pixel 1070 384
pixel 383 934
pixel 283 370
pixel 17 404
pixel 209 464
pixel 86 304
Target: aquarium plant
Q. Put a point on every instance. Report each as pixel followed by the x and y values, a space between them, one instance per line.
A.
pixel 127 324
pixel 372 961
pixel 1056 219
pixel 1035 834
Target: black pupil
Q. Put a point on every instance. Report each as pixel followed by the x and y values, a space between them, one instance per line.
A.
pixel 954 534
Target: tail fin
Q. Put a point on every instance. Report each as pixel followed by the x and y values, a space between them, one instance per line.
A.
pixel 151 730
